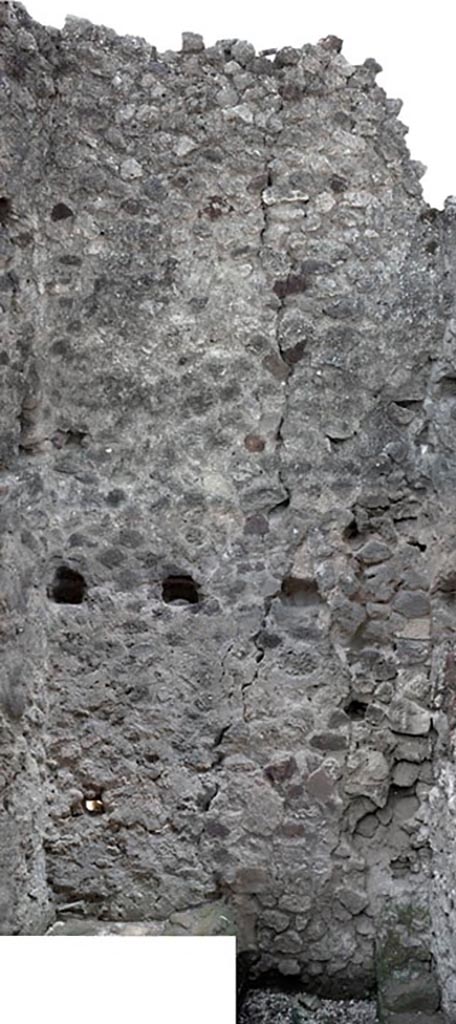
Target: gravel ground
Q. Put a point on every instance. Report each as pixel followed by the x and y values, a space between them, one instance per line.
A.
pixel 266 1006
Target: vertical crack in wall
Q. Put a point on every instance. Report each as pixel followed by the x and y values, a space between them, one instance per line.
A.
pixel 265 207
pixel 279 440
pixel 259 655
pixel 267 202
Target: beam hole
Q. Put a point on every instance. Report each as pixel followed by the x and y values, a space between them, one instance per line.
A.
pixel 356 710
pixel 61 212
pixel 351 531
pixel 299 593
pixel 180 588
pixel 68 586
pixel 5 209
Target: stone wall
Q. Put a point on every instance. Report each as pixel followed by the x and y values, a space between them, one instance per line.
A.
pixel 227 484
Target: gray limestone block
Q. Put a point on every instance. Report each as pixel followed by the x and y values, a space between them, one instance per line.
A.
pixel 412 604
pixel 192 42
pixel 243 52
pixel 410 992
pixel 406 716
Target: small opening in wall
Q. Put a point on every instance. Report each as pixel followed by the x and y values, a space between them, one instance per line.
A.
pixel 356 710
pixel 5 209
pixel 409 403
pixel 66 437
pixel 351 531
pixel 68 586
pixel 61 212
pixel 180 588
pixel 447 386
pixel 417 544
pixel 299 592
pixel 93 805
pixel 338 184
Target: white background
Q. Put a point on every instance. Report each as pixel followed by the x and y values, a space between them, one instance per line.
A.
pixel 415 43
pixel 116 980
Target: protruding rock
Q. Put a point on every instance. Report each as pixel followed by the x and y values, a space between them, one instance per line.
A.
pixel 192 42
pixel 243 52
pixel 333 43
pixel 408 717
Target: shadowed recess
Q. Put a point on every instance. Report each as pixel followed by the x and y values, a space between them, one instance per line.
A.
pixel 299 592
pixel 356 710
pixel 61 212
pixel 5 209
pixel 68 586
pixel 180 588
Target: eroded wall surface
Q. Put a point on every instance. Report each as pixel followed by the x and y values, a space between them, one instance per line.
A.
pixel 227 452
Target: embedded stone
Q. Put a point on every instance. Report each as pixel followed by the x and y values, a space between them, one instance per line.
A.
pixel 406 716
pixel 373 552
pixel 414 629
pixel 354 900
pixel 368 826
pixel 412 603
pixel 409 992
pixel 275 920
pixel 320 785
pixel 405 773
pixel 131 169
pixel 405 807
pixel 368 774
pixel 329 741
pixel 288 942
